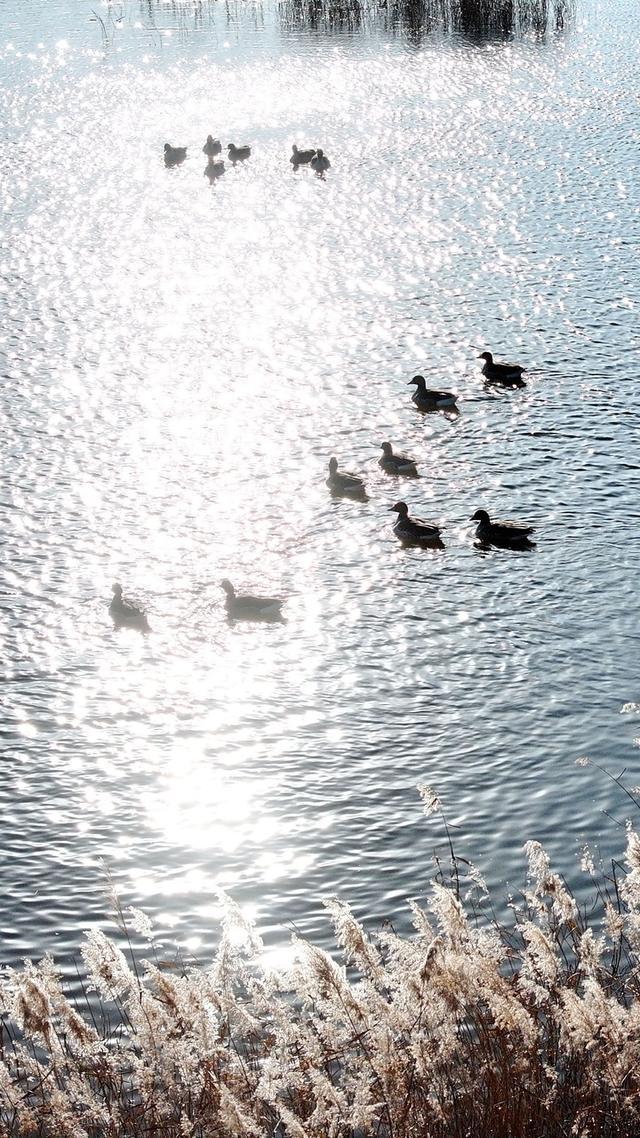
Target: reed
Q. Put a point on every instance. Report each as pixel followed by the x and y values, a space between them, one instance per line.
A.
pixel 422 17
pixel 470 17
pixel 470 1026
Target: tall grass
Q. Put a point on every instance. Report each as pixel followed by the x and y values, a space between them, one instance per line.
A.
pixel 469 1027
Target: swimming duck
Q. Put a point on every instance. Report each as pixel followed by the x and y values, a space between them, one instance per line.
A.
pixel 238 153
pixel 250 608
pixel 174 155
pixel 397 463
pixel 212 146
pixel 413 531
pixel 510 375
pixel 320 162
pixel 504 534
pixel 428 399
pixel 343 483
pixel 301 157
pixel 213 170
pixel 125 614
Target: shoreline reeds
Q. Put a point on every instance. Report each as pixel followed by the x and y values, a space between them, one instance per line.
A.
pixel 474 18
pixel 459 17
pixel 469 1028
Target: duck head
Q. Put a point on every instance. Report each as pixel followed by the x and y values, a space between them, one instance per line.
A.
pixel 387 450
pixel 401 509
pixel 480 516
pixel 228 587
pixel 419 381
pixel 319 152
pixel 333 465
pixel 116 589
pixel 486 356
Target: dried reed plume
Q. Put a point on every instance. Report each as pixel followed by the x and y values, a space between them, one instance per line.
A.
pixel 469 1027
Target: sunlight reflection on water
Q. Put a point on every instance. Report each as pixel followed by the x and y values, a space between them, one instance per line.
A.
pixel 179 363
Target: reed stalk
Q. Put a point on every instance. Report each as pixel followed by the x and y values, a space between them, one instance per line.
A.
pixel 470 1026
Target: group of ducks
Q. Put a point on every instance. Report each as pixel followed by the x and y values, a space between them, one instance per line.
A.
pixel 409 530
pixel 414 531
pixel 175 155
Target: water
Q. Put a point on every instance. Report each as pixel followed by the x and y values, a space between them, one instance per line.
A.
pixel 179 362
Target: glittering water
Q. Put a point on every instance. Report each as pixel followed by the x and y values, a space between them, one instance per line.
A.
pixel 178 363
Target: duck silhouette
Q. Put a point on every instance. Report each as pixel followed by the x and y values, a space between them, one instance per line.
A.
pixel 397 464
pixel 429 398
pixel 174 155
pixel 301 157
pixel 238 153
pixel 320 163
pixel 214 170
pixel 507 535
pixel 506 375
pixel 248 607
pixel 414 531
pixel 212 146
pixel 343 484
pixel 124 613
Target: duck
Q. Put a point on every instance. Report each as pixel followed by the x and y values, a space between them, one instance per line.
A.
pixel 509 375
pixel 428 399
pixel 212 146
pixel 340 482
pixel 248 607
pixel 504 534
pixel 174 155
pixel 301 157
pixel 125 614
pixel 238 153
pixel 213 170
pixel 320 162
pixel 397 463
pixel 413 531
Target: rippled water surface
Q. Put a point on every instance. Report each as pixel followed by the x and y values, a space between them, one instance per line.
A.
pixel 179 362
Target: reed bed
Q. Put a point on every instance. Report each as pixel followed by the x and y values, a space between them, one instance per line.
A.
pixel 422 17
pixel 467 1027
pixel 471 17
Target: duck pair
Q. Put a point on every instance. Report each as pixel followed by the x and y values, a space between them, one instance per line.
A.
pixel 316 159
pixel 502 375
pixel 505 535
pixel 126 614
pixel 341 482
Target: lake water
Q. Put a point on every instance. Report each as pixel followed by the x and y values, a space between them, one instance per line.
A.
pixel 180 361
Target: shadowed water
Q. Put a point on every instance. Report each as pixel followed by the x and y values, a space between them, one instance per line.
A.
pixel 179 361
